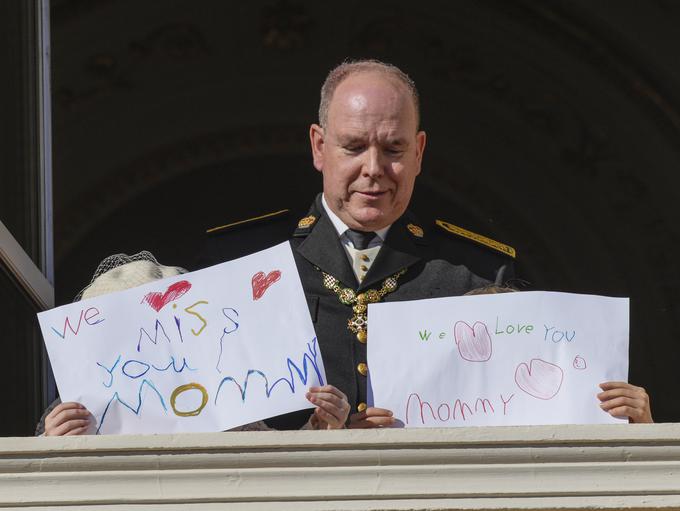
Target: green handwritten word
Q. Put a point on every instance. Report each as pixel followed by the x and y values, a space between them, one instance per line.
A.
pixel 425 335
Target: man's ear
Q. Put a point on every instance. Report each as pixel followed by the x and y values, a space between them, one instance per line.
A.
pixel 421 139
pixel 316 139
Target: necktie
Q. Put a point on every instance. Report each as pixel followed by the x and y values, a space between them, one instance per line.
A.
pixel 360 239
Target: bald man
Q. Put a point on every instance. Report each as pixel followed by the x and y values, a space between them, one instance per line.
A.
pixel 359 243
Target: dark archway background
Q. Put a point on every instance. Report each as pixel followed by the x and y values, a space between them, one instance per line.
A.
pixel 553 127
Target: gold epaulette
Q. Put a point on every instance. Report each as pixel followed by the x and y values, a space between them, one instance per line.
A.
pixel 478 238
pixel 268 216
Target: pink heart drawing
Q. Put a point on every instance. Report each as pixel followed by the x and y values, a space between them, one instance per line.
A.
pixel 261 282
pixel 539 379
pixel 474 343
pixel 158 300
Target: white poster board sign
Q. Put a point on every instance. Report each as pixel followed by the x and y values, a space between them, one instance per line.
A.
pixel 204 351
pixel 502 359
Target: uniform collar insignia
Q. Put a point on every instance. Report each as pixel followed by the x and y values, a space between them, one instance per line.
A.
pixel 400 250
pixel 416 230
pixel 306 222
pixel 322 246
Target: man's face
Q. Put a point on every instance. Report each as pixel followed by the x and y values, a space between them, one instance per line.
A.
pixel 369 152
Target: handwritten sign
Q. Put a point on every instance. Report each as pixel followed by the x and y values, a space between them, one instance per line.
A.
pixel 503 359
pixel 204 351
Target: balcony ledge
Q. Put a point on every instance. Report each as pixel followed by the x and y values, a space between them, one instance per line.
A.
pixel 537 467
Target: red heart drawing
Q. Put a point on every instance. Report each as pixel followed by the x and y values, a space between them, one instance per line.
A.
pixel 158 300
pixel 261 282
pixel 539 379
pixel 474 343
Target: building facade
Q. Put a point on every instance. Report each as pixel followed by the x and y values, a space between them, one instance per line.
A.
pixel 552 128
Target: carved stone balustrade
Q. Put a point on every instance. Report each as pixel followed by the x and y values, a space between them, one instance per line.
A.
pixel 539 467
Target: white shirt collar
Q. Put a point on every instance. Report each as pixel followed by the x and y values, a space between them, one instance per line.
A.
pixel 341 227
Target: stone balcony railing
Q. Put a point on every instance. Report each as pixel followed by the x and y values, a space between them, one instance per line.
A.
pixel 540 467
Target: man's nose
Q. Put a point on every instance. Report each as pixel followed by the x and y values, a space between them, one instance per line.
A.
pixel 374 164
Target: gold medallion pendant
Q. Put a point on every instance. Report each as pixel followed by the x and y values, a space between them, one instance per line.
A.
pixel 358 323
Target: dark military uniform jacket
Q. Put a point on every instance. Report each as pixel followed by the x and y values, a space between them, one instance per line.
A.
pixel 438 263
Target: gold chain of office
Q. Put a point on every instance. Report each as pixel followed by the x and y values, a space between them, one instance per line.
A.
pixel 358 323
